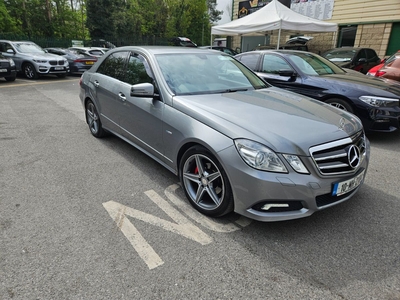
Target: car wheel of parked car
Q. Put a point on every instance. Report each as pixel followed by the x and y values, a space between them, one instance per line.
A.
pixel 11 78
pixel 205 182
pixel 93 120
pixel 340 103
pixel 29 71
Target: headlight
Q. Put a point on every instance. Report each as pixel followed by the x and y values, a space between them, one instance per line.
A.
pixel 40 61
pixel 12 63
pixel 296 163
pixel 379 101
pixel 259 156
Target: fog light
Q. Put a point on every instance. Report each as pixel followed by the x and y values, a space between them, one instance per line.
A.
pixel 271 205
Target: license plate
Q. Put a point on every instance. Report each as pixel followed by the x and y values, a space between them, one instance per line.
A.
pixel 346 186
pixel 89 62
pixel 59 68
pixel 3 70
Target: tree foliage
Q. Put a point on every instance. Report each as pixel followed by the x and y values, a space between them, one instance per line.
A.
pixel 109 19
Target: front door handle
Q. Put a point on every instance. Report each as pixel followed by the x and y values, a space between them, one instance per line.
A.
pixel 121 96
pixel 96 83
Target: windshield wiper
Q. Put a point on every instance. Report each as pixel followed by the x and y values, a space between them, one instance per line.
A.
pixel 235 90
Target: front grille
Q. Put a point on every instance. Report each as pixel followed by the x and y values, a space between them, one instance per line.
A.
pixel 55 62
pixel 333 158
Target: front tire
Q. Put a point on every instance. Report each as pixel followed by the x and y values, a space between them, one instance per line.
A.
pixel 340 103
pixel 30 71
pixel 205 183
pixel 93 120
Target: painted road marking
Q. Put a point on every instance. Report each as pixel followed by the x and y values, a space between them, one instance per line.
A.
pixel 181 225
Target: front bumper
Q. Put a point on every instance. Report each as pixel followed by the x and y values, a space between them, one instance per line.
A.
pixel 291 195
pixel 380 119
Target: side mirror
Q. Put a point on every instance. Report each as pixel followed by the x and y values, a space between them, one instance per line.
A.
pixel 362 61
pixel 11 51
pixel 144 90
pixel 287 73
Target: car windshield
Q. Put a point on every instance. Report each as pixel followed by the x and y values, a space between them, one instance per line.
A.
pixel 196 73
pixel 340 55
pixel 28 48
pixel 315 65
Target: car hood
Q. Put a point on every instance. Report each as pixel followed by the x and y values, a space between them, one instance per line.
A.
pixel 285 122
pixel 365 85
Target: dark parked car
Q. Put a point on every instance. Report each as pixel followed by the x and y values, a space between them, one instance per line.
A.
pixel 8 69
pixel 296 43
pixel 359 59
pixel 236 143
pixel 373 100
pixel 182 41
pixel 78 63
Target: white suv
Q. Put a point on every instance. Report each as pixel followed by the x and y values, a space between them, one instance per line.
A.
pixel 33 61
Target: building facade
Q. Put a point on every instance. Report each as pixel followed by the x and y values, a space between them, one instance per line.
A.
pixel 361 23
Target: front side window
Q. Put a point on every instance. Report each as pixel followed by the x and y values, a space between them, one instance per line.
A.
pixel 138 70
pixel 314 65
pixel 114 65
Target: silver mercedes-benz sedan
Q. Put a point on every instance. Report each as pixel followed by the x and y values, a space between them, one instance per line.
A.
pixel 236 143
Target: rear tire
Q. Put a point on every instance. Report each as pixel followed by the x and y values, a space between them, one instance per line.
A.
pixel 93 120
pixel 340 103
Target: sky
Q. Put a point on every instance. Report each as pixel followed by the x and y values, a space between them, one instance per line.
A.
pixel 226 7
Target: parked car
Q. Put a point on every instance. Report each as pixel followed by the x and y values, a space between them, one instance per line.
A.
pixel 220 48
pixel 235 142
pixel 89 51
pixel 390 69
pixel 7 68
pixel 78 63
pixel 182 41
pixel 359 59
pixel 296 43
pixel 32 60
pixel 373 100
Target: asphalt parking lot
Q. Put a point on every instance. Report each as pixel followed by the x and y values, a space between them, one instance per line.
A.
pixel 86 218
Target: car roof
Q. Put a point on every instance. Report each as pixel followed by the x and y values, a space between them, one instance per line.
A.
pixel 164 49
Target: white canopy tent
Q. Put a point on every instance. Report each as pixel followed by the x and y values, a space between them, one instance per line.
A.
pixel 273 16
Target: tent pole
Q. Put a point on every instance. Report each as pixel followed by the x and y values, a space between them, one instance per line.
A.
pixel 279 36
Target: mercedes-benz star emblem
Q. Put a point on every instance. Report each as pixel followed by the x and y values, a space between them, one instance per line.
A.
pixel 353 156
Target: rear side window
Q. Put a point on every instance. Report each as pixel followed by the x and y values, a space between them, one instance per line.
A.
pixel 371 54
pixel 250 61
pixel 272 64
pixel 113 65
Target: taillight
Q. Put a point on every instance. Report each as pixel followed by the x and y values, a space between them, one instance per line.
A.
pixel 80 81
pixel 379 73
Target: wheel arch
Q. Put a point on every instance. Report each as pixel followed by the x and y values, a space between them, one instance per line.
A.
pixel 341 97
